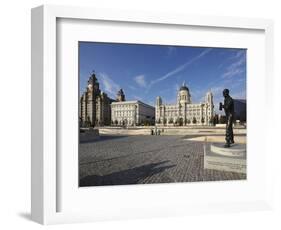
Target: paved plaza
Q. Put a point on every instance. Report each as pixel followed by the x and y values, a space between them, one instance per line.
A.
pixel 120 160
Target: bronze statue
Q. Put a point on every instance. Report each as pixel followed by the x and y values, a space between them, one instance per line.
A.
pixel 228 107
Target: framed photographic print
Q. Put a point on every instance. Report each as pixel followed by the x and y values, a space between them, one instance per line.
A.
pixel 130 135
pixel 138 114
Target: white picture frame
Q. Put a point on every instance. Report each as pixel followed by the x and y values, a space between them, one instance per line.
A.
pixel 46 181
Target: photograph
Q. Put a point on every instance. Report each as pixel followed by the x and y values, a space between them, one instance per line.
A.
pixel 151 114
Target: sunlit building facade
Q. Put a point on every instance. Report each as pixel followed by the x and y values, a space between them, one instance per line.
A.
pixel 184 112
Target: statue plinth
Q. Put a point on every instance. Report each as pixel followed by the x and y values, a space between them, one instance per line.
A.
pixel 236 150
pixel 232 159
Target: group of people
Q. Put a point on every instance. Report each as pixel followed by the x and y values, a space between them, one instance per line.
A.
pixel 156 131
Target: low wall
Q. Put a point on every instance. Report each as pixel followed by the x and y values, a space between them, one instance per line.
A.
pixel 168 131
pixel 121 131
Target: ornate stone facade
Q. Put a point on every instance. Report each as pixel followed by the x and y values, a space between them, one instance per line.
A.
pixel 94 108
pixel 184 112
pixel 132 113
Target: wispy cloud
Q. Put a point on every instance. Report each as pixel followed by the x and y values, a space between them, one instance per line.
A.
pixel 140 80
pixel 239 54
pixel 218 90
pixel 132 87
pixel 237 67
pixel 181 67
pixel 109 86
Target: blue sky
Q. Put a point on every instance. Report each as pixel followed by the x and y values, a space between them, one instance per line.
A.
pixel 147 71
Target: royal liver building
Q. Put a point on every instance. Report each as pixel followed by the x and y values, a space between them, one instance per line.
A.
pixel 184 112
pixel 94 106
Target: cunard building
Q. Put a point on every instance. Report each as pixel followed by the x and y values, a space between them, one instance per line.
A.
pixel 131 113
pixel 184 112
pixel 94 108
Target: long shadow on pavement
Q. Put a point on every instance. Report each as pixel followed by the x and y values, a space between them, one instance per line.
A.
pixel 129 176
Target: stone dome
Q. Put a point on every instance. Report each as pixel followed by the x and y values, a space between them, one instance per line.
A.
pixel 183 87
pixel 184 95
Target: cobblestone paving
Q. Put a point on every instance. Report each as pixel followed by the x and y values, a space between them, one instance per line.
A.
pixel 119 160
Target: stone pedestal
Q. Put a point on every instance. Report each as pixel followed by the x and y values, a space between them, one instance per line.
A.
pixel 232 159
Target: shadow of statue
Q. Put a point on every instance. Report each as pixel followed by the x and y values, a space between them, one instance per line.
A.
pixel 129 176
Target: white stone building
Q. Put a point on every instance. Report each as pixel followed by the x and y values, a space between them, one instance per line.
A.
pixel 132 113
pixel 184 112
